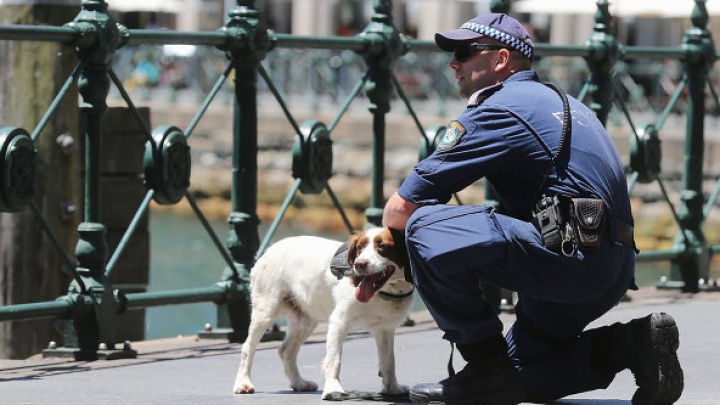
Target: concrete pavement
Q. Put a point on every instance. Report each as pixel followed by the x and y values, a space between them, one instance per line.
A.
pixel 188 370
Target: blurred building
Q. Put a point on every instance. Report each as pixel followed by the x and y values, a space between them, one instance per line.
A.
pixel 647 24
pixel 414 18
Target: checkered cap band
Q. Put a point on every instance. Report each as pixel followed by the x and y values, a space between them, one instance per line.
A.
pixel 503 37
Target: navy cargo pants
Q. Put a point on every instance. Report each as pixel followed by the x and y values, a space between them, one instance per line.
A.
pixel 452 248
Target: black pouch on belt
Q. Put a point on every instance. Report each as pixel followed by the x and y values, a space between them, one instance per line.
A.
pixel 589 215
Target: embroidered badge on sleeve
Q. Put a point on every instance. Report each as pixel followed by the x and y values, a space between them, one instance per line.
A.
pixel 453 133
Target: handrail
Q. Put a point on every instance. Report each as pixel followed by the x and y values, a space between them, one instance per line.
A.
pixel 13 32
pixel 288 41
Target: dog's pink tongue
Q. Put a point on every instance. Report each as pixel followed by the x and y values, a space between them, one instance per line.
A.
pixel 365 290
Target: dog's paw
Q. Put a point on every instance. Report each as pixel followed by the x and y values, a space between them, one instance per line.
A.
pixel 333 395
pixel 331 387
pixel 304 385
pixel 395 389
pixel 244 388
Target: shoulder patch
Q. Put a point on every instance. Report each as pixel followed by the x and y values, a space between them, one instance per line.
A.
pixel 453 133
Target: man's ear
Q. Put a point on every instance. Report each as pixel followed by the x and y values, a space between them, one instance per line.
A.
pixel 503 60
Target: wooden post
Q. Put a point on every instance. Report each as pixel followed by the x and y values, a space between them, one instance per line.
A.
pixel 121 193
pixel 31 269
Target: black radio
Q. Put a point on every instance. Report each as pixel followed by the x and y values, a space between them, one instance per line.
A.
pixel 552 217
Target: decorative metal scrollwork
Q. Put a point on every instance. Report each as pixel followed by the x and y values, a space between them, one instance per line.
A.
pixel 167 167
pixel 312 157
pixel 646 154
pixel 18 169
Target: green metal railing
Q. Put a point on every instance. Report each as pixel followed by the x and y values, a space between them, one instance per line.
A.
pixel 92 303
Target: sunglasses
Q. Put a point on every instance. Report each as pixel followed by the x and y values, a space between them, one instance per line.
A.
pixel 464 52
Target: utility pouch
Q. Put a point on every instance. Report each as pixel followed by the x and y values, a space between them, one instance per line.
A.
pixel 589 216
pixel 552 217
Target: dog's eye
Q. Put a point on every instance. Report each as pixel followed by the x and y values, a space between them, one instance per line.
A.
pixel 383 246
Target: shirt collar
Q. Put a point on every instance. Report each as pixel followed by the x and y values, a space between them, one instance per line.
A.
pixel 479 96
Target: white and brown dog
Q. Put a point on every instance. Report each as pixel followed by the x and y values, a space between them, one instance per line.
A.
pixel 292 279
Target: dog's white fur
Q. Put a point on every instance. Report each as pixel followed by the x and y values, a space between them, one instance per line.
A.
pixel 293 280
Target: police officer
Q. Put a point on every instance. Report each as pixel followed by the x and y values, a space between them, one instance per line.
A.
pixel 511 134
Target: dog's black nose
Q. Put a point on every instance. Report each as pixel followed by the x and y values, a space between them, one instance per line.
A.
pixel 361 264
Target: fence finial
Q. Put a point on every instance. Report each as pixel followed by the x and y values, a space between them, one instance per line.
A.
pixel 500 6
pixel 700 15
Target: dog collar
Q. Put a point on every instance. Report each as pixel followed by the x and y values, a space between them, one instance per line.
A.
pixel 396 296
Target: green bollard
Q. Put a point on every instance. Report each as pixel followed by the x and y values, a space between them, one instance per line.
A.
pixel 693 264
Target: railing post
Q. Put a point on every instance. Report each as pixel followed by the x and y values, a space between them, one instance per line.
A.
pixel 693 264
pixel 99 37
pixel 385 46
pixel 248 44
pixel 601 62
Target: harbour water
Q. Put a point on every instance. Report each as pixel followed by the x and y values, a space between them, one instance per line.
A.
pixel 183 256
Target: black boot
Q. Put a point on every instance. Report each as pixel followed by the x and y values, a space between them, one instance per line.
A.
pixel 489 378
pixel 655 364
pixel 648 347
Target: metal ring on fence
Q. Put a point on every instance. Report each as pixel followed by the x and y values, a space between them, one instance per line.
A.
pixel 429 143
pixel 645 154
pixel 312 157
pixel 18 169
pixel 167 169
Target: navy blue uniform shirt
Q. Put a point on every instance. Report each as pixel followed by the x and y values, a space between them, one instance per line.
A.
pixel 508 134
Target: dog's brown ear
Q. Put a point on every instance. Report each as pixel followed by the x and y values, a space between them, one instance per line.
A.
pixel 398 236
pixel 403 259
pixel 353 251
pixel 353 248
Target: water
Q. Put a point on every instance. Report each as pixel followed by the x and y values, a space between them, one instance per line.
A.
pixel 183 256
